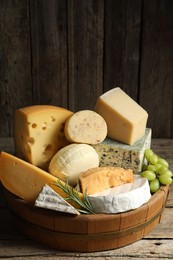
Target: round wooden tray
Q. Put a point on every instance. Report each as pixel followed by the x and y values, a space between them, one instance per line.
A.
pixel 86 233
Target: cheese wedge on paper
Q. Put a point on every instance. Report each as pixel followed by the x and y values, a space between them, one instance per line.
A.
pixel 49 199
pixel 24 179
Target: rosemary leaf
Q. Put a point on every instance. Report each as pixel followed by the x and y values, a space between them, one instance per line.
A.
pixel 73 195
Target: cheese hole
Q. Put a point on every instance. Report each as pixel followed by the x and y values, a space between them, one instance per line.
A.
pixel 52 118
pixel 34 125
pixel 31 141
pixel 47 152
pixel 44 126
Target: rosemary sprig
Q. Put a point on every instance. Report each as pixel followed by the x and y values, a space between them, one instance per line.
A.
pixel 85 204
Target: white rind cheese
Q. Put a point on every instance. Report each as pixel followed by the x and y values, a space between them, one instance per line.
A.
pixel 49 199
pixel 122 198
pixel 71 160
pixel 113 153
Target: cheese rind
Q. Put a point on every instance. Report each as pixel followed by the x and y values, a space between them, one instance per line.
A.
pixel 49 199
pixel 114 153
pixel 24 179
pixel 101 178
pixel 39 133
pixel 123 198
pixel 71 160
pixel 126 120
pixel 86 126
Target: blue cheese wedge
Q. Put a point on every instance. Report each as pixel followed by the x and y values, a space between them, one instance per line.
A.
pixel 49 199
pixel 114 153
pixel 123 198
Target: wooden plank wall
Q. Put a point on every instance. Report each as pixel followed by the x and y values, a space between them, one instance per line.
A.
pixel 68 52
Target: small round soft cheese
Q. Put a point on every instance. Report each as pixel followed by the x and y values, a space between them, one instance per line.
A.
pixel 85 126
pixel 71 160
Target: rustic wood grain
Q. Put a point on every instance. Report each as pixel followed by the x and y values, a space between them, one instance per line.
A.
pixel 85 52
pixel 122 45
pixel 48 23
pixel 67 53
pixel 15 63
pixel 156 73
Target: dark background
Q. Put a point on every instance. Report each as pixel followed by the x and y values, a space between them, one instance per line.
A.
pixel 68 52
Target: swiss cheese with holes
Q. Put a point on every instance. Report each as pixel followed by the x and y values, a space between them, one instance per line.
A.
pixel 39 133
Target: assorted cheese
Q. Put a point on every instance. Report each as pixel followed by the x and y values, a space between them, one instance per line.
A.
pixel 98 150
pixel 86 126
pixel 39 133
pixel 126 120
pixel 101 178
pixel 24 179
pixel 71 160
pixel 114 153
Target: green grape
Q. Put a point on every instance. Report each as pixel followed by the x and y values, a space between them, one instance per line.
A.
pixel 154 185
pixel 162 170
pixel 168 173
pixel 163 162
pixel 158 166
pixel 151 167
pixel 153 159
pixel 144 167
pixel 148 153
pixel 149 175
pixel 165 179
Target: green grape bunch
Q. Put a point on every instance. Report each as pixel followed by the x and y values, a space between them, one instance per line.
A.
pixel 156 170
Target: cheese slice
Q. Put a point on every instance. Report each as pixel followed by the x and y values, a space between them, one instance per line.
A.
pixel 71 160
pixel 126 120
pixel 101 178
pixel 24 179
pixel 114 153
pixel 39 133
pixel 49 199
pixel 122 198
pixel 86 126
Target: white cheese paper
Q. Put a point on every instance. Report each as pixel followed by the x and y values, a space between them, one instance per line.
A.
pixel 49 199
pixel 122 198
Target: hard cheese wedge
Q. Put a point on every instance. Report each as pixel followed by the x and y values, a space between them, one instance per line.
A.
pixel 24 179
pixel 114 153
pixel 39 133
pixel 122 198
pixel 126 120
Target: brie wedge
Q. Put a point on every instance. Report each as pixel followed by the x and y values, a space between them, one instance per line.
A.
pixel 122 198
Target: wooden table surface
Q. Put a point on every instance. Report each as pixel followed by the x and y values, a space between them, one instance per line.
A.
pixel 158 244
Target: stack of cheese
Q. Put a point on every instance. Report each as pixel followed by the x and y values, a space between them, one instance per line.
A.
pixel 53 142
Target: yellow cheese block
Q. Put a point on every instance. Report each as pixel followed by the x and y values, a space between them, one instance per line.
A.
pixel 126 120
pixel 24 179
pixel 39 133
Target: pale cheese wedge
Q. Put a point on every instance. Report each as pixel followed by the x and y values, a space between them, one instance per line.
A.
pixel 24 179
pixel 125 118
